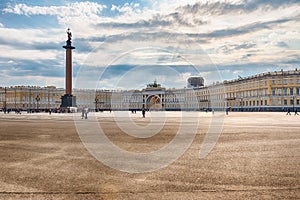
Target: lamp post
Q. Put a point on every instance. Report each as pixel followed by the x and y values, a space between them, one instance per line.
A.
pixel 96 104
pixel 4 105
pixel 105 103
pixel 293 103
pixel 37 98
pixel 241 104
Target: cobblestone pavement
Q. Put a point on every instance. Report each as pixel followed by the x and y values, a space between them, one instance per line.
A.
pixel 257 156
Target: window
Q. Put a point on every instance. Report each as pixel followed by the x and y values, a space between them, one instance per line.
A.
pixel 298 101
pixel 273 82
pixel 285 91
pixel 291 101
pixel 292 81
pixel 273 102
pixel 279 102
pixel 291 91
pixel 266 102
pixel 279 81
pixel 285 81
pixel 285 102
pixel 298 81
pixel 297 91
pixel 279 91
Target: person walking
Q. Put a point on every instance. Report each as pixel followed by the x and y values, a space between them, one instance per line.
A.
pixel 86 111
pixel 82 113
pixel 288 112
pixel 296 112
pixel 143 112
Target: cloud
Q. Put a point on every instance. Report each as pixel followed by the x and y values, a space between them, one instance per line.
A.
pixel 127 8
pixel 47 68
pixel 234 7
pixel 282 44
pixel 70 10
pixel 128 77
pixel 230 48
pixel 248 28
pixel 234 33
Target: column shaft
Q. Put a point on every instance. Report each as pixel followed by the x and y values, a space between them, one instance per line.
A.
pixel 68 71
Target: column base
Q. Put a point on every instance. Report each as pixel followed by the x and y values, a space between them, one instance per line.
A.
pixel 68 100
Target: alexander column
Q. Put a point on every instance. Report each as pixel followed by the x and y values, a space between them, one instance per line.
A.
pixel 68 100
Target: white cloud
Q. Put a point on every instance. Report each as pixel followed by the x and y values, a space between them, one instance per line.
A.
pixel 71 9
pixel 127 8
pixel 29 54
pixel 161 24
pixel 31 81
pixel 23 36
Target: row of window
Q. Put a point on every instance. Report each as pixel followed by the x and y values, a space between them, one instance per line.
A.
pixel 249 103
pixel 286 91
pixel 285 102
pixel 285 81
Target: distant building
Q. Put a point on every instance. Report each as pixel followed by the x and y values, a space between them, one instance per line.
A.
pixel 271 91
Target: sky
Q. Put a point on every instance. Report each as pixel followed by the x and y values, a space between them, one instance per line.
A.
pixel 126 44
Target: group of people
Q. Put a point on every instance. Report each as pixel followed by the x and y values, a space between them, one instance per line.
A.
pixel 289 112
pixel 84 113
pixel 17 111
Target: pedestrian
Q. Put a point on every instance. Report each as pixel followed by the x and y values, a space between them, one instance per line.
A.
pixel 213 111
pixel 226 111
pixel 50 111
pixel 296 112
pixel 288 112
pixel 143 112
pixel 86 111
pixel 82 113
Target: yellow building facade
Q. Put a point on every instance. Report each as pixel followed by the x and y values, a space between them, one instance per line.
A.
pixel 271 91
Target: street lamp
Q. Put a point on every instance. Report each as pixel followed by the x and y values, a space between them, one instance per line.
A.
pixel 37 101
pixel 96 104
pixel 293 103
pixel 4 105
pixel 241 104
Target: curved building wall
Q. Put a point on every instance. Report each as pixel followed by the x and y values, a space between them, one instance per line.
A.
pixel 273 91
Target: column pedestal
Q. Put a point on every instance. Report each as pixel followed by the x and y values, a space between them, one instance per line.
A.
pixel 68 100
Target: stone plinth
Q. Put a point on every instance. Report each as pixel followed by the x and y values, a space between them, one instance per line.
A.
pixel 68 100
